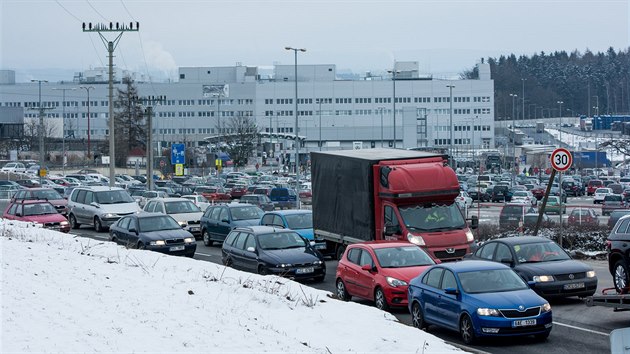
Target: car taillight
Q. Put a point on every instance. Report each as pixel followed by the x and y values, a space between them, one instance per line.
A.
pixel 608 245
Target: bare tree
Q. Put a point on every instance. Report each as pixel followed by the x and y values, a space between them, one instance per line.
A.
pixel 242 139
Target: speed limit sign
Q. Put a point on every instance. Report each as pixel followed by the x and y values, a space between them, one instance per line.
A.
pixel 561 159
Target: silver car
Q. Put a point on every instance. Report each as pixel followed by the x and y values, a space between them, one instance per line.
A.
pixel 100 206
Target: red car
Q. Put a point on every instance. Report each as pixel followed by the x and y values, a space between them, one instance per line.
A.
pixel 583 216
pixel 238 190
pixel 593 185
pixel 538 192
pixel 38 211
pixel 214 194
pixel 380 271
pixel 47 194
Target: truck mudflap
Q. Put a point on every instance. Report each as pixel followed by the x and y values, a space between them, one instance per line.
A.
pixel 619 302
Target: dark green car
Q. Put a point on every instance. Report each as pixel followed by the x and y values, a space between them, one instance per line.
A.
pixel 553 206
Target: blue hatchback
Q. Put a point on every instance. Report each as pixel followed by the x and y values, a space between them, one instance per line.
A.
pixel 298 220
pixel 478 299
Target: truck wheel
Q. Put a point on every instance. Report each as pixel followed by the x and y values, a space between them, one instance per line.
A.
pixel 620 276
pixel 340 250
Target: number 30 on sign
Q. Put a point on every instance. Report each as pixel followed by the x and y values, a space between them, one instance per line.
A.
pixel 561 159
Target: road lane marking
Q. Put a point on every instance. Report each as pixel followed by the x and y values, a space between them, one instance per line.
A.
pixel 581 329
pixel 205 254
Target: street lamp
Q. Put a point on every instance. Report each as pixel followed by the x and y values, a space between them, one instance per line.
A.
pixel 393 72
pixel 597 106
pixel 320 124
pixel 88 88
pixel 63 128
pixel 450 142
pixel 41 128
pixel 297 140
pixel 513 133
pixel 381 109
pixel 560 114
pixel 523 93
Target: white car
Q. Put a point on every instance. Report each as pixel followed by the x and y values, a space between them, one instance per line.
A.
pixel 185 212
pixel 525 197
pixel 198 200
pixel 15 167
pixel 464 200
pixel 600 194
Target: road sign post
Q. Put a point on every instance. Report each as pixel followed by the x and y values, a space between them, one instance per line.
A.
pixel 178 154
pixel 561 160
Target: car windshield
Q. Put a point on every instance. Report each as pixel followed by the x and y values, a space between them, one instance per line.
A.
pixel 49 194
pixel 158 223
pixel 432 217
pixel 39 209
pixel 246 213
pixel 113 197
pixel 580 212
pixel 300 221
pixel 400 257
pixel 520 194
pixel 181 207
pixel 491 281
pixel 539 252
pixel 281 240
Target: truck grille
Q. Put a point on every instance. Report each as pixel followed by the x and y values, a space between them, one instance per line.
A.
pixel 459 253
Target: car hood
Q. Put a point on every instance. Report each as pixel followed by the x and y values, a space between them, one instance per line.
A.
pixel 186 216
pixel 291 255
pixel 123 208
pixel 306 233
pixel 165 234
pixel 507 299
pixel 553 267
pixel 405 273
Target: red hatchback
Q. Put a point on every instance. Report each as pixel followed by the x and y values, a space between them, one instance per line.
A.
pixel 38 211
pixel 380 271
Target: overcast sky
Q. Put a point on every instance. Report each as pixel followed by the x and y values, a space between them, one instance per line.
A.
pixel 444 36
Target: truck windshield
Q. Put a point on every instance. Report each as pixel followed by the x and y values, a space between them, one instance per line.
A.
pixel 432 217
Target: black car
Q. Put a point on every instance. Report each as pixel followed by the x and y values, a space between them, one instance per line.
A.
pixel 541 262
pixel 501 194
pixel 260 200
pixel 618 249
pixel 615 215
pixel 571 188
pixel 153 231
pixel 269 250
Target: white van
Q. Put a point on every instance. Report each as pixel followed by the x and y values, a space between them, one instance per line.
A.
pixel 99 206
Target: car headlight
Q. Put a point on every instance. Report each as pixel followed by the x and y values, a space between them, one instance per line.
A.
pixel 109 216
pixel 157 243
pixel 318 262
pixel 63 223
pixel 469 236
pixel 590 274
pixel 182 223
pixel 543 278
pixel 546 307
pixel 189 240
pixel 415 239
pixel 488 312
pixel 395 282
pixel 283 265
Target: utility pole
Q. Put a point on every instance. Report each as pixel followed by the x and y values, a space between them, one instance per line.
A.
pixel 150 101
pixel 111 45
pixel 450 139
pixel 88 88
pixel 41 112
pixel 63 128
pixel 297 138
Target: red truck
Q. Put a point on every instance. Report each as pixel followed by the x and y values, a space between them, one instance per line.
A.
pixel 388 194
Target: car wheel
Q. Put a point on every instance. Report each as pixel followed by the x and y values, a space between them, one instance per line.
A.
pixel 73 222
pixel 620 276
pixel 466 330
pixel 342 294
pixel 379 300
pixel 417 318
pixel 98 225
pixel 206 238
pixel 262 270
pixel 141 246
pixel 227 261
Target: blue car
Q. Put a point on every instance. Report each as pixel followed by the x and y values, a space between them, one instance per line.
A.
pixel 478 299
pixel 298 220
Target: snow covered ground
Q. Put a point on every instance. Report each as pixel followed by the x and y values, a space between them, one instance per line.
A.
pixel 62 293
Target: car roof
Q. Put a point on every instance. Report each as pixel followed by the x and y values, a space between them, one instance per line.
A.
pixel 261 229
pixel 31 201
pixel 472 265
pixel 173 199
pixel 382 244
pixel 290 212
pixel 100 188
pixel 522 239
pixel 145 214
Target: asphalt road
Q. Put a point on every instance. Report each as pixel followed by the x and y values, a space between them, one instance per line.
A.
pixel 577 328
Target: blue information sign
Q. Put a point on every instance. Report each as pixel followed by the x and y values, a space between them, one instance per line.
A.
pixel 178 154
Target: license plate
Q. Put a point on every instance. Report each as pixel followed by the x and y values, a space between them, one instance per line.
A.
pixel 304 270
pixel 573 286
pixel 320 246
pixel 523 323
pixel 176 248
pixel 194 229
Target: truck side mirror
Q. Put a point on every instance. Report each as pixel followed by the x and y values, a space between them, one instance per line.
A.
pixel 391 229
pixel 474 222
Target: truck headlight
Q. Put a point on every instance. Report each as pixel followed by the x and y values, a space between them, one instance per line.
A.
pixel 395 282
pixel 469 236
pixel 415 239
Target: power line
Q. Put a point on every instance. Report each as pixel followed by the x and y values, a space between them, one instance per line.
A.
pixel 76 18
pixel 66 10
pixel 95 10
pixel 129 13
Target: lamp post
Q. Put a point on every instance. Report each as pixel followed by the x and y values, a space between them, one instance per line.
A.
pixel 88 88
pixel 381 109
pixel 41 128
pixel 320 124
pixel 523 95
pixel 513 133
pixel 297 139
pixel 63 128
pixel 560 114
pixel 597 105
pixel 450 139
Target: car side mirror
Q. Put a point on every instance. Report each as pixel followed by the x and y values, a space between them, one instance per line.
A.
pixel 18 214
pixel 451 291
pixel 368 268
pixel 532 284
pixel 95 204
pixel 508 261
pixel 251 249
pixel 225 220
pixel 133 230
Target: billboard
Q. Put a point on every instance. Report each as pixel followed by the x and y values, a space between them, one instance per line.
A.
pixel 221 90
